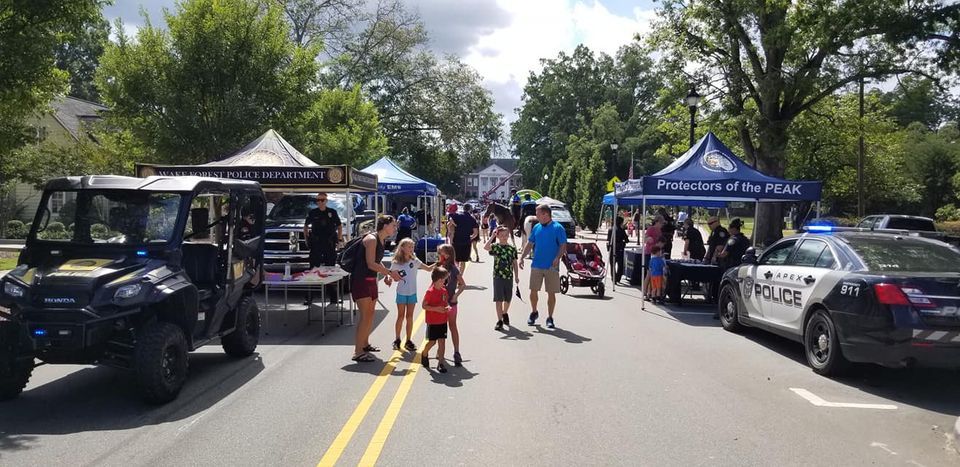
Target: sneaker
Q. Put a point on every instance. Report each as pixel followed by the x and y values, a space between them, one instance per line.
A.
pixel 396 344
pixel 441 368
pixel 550 323
pixel 457 360
pixel 425 361
pixel 533 318
pixel 506 319
pixel 499 326
pixel 410 346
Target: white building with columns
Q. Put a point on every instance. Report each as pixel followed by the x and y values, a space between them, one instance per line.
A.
pixel 478 182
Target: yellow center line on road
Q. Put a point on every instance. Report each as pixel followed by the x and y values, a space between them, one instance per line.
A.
pixel 375 447
pixel 339 444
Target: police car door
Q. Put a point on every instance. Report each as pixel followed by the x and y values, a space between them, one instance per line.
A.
pixel 794 283
pixel 758 288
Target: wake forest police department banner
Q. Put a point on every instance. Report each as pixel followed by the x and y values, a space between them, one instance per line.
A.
pixel 340 176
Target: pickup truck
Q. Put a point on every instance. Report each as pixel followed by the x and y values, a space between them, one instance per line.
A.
pixel 284 227
pixel 923 226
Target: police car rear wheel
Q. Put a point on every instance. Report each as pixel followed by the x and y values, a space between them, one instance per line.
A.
pixel 823 346
pixel 729 317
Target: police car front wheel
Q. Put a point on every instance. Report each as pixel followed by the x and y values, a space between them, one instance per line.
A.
pixel 728 310
pixel 822 345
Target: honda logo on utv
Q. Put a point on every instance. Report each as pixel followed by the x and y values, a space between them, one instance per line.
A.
pixel 59 301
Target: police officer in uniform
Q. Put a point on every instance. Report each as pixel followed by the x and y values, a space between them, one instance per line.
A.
pixel 736 247
pixel 715 244
pixel 323 230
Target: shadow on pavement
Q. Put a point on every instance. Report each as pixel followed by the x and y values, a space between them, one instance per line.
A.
pixel 376 367
pixel 560 333
pixel 99 398
pixel 591 296
pixel 691 315
pixel 926 388
pixel 299 332
pixel 514 333
pixel 454 376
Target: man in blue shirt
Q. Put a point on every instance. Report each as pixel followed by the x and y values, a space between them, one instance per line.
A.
pixel 549 242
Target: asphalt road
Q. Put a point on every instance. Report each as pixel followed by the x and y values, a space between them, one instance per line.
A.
pixel 613 384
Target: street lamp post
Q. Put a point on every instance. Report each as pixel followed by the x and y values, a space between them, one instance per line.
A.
pixel 692 100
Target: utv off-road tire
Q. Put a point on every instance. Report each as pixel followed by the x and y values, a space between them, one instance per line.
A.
pixel 242 342
pixel 161 362
pixel 14 375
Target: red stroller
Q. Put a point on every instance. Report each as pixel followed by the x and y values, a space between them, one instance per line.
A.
pixel 585 267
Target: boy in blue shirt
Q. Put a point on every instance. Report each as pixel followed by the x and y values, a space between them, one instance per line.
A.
pixel 551 244
pixel 658 267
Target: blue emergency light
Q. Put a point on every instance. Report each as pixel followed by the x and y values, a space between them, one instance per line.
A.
pixel 819 228
pixel 39 332
pixel 141 252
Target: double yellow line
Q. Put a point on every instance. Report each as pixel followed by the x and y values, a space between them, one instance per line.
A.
pixel 375 447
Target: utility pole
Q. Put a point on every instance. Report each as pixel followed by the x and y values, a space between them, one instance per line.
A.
pixel 860 159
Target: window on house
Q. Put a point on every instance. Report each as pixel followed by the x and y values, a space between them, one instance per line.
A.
pixel 57 200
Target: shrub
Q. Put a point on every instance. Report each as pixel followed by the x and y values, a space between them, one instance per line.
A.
pixel 16 230
pixel 99 232
pixel 951 227
pixel 948 213
pixel 54 231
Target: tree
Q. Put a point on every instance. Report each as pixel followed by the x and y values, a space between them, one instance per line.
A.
pixel 221 73
pixel 80 56
pixel 30 30
pixel 785 57
pixel 316 22
pixel 919 99
pixel 341 127
pixel 934 163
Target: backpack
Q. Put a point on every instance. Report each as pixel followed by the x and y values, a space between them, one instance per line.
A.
pixel 348 256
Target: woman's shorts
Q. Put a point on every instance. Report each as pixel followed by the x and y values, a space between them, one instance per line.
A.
pixel 436 331
pixel 462 250
pixel 502 289
pixel 407 299
pixel 364 287
pixel 656 282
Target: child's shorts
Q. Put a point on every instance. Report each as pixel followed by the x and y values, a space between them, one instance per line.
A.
pixel 656 282
pixel 407 299
pixel 502 289
pixel 436 331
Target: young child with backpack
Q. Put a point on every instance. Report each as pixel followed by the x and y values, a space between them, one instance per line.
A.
pixel 455 286
pixel 406 263
pixel 505 273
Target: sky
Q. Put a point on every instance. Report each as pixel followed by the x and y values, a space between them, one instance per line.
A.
pixel 503 40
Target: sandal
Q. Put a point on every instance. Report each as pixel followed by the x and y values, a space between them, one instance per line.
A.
pixel 370 348
pixel 364 358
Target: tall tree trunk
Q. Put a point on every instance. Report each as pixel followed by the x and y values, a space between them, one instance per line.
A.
pixel 771 160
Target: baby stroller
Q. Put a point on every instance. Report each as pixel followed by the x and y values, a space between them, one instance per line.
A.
pixel 585 267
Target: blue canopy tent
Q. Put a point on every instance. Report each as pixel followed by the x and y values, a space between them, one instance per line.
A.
pixel 709 174
pixel 393 180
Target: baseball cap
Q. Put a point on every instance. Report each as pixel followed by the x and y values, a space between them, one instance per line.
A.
pixel 736 223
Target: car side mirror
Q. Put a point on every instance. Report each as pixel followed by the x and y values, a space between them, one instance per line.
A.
pixel 750 257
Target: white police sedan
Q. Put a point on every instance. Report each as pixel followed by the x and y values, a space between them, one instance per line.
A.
pixel 852 295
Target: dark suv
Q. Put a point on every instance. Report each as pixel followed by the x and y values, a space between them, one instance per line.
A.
pixel 137 273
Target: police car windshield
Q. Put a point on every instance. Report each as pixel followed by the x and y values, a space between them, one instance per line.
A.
pixel 906 255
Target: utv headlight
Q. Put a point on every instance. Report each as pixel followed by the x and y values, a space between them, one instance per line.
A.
pixel 12 289
pixel 127 291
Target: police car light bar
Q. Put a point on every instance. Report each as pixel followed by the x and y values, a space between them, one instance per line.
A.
pixel 819 228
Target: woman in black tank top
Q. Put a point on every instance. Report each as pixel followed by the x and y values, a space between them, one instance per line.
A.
pixel 364 284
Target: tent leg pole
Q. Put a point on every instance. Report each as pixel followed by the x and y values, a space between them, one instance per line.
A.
pixel 818 208
pixel 613 242
pixel 756 216
pixel 643 256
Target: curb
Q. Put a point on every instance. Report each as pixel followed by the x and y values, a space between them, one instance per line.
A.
pixel 956 436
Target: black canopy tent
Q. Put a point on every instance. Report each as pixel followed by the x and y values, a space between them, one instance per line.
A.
pixel 278 167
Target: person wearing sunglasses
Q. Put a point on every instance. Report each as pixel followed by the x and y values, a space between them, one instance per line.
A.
pixel 323 230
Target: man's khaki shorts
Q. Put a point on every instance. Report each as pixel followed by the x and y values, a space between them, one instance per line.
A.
pixel 550 276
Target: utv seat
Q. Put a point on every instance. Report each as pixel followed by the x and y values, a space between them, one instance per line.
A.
pixel 200 263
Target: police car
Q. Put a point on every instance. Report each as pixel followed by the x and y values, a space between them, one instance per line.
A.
pixel 852 295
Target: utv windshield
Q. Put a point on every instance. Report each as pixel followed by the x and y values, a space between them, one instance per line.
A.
pixel 126 217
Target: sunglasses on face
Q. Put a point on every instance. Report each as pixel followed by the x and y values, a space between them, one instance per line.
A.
pixel 324 200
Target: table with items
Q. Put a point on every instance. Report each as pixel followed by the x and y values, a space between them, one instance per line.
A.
pixel 311 280
pixel 700 278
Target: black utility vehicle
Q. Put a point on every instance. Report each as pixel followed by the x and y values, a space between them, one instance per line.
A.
pixel 136 273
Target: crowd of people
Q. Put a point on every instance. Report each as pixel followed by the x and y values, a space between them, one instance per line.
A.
pixel 441 301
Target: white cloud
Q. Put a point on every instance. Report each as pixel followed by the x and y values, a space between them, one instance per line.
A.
pixel 542 29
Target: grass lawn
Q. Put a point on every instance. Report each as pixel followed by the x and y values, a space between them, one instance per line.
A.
pixel 7 263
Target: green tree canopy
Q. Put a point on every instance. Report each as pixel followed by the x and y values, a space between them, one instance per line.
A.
pixel 341 127
pixel 221 73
